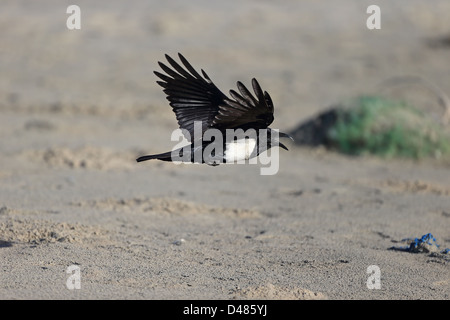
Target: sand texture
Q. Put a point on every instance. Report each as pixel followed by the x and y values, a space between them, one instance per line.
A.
pixel 78 107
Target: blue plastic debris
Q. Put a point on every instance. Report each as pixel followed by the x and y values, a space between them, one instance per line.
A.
pixel 427 243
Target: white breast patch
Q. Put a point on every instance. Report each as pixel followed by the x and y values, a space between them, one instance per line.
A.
pixel 239 150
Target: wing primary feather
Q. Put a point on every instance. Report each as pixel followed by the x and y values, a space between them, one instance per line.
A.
pixel 236 96
pixel 171 72
pixel 163 76
pixel 234 105
pixel 177 67
pixel 206 76
pixel 189 67
pixel 258 91
pixel 162 84
pixel 246 94
pixel 268 100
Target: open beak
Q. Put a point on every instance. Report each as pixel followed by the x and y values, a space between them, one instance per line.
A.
pixel 285 135
pixel 282 146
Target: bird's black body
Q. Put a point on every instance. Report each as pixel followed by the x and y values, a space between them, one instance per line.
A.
pixel 200 106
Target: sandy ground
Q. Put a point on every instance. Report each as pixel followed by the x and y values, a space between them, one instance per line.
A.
pixel 77 107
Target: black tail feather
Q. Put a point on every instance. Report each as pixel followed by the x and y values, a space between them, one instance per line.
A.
pixel 167 156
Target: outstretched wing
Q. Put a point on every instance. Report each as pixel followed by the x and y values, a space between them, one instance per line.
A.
pixel 245 111
pixel 192 97
pixel 196 98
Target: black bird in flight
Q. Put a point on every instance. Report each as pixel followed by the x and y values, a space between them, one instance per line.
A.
pixel 195 98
